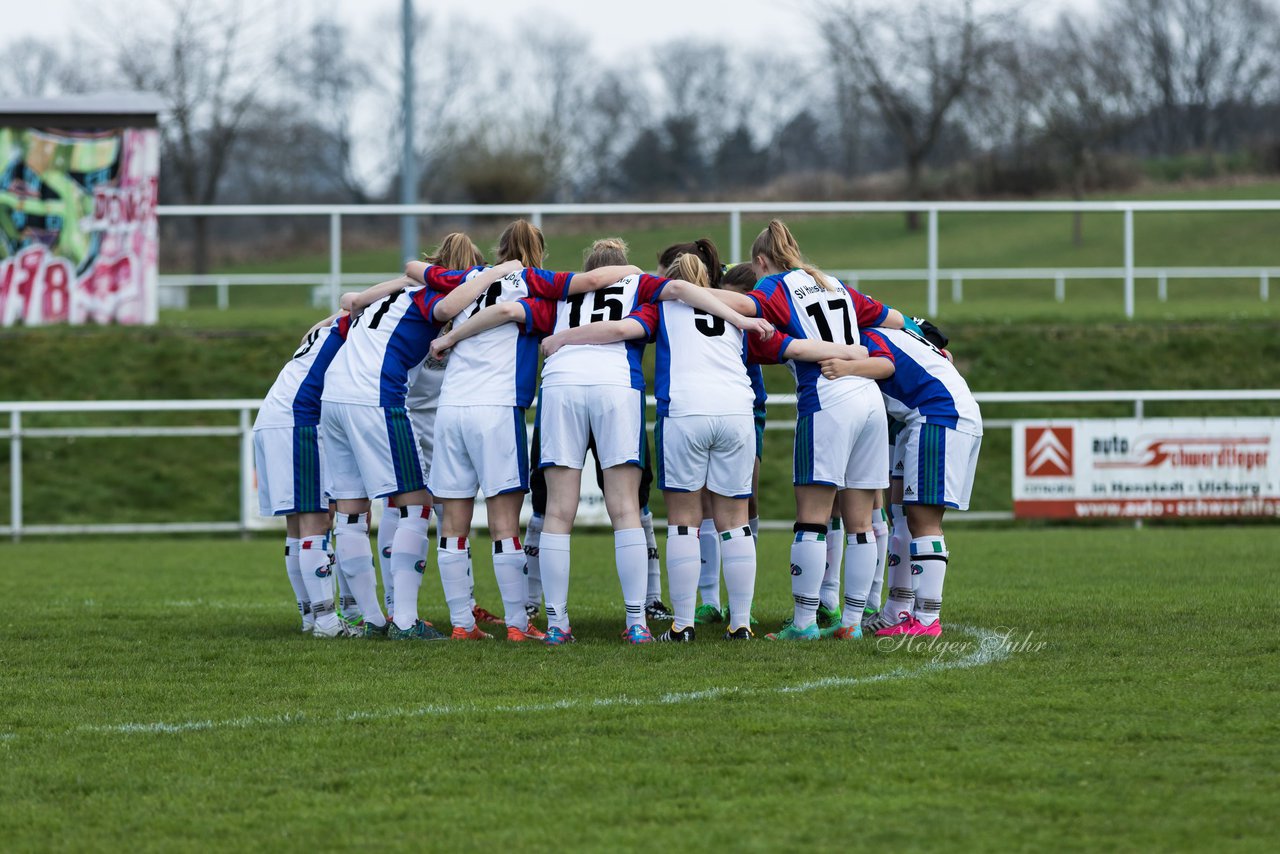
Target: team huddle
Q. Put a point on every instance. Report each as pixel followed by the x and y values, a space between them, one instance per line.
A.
pixel 416 394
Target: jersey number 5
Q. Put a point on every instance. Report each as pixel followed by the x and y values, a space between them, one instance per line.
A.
pixel 708 325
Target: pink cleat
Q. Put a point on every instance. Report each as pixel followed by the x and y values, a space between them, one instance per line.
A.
pixel 902 627
pixel 933 630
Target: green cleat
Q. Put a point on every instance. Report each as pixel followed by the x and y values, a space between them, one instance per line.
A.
pixel 370 631
pixel 828 617
pixel 810 632
pixel 420 630
pixel 707 614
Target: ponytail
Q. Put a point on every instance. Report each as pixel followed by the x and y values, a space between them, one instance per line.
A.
pixel 456 252
pixel 704 249
pixel 778 245
pixel 690 268
pixel 605 252
pixel 522 241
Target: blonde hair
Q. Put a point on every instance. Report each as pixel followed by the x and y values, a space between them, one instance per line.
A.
pixel 778 245
pixel 690 268
pixel 522 241
pixel 456 252
pixel 605 252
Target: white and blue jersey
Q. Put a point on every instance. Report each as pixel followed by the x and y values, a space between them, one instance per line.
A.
pixel 801 307
pixel 294 398
pixel 925 387
pixel 499 366
pixel 386 346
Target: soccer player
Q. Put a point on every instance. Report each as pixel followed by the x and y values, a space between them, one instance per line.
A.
pixel 938 449
pixel 616 370
pixel 841 445
pixel 705 436
pixel 480 428
pixel 287 453
pixel 371 447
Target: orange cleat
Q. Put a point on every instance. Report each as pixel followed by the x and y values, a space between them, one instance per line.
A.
pixel 530 633
pixel 474 633
pixel 483 616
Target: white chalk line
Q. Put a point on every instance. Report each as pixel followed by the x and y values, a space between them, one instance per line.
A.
pixel 988 648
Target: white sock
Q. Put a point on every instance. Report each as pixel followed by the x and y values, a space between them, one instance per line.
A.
pixel 859 569
pixel 808 560
pixel 508 568
pixel 632 557
pixel 313 565
pixel 754 524
pixel 408 561
pixel 386 535
pixel 830 591
pixel 292 570
pixel 654 589
pixel 902 583
pixel 355 562
pixel 931 556
pixel 554 558
pixel 455 577
pixel 532 562
pixel 879 527
pixel 738 554
pixel 709 576
pixel 683 566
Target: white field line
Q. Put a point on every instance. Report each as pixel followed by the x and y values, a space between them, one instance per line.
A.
pixel 986 647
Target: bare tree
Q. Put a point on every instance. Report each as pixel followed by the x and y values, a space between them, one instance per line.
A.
pixel 34 68
pixel 915 64
pixel 210 79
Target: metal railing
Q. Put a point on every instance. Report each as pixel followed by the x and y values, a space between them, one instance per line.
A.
pixel 932 273
pixel 248 520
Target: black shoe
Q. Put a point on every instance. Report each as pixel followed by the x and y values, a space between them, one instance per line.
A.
pixel 658 610
pixel 531 610
pixel 671 635
pixel 743 633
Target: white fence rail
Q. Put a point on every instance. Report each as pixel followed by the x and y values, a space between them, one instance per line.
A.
pixel 17 434
pixel 931 273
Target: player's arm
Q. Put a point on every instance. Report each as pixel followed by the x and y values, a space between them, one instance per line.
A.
pixel 894 319
pixel 462 296
pixel 322 324
pixel 600 277
pixel 815 350
pixel 741 303
pixel 872 367
pixel 704 299
pixel 358 302
pixel 602 332
pixel 481 321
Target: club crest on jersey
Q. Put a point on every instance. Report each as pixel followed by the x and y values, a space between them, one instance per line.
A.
pixel 796 570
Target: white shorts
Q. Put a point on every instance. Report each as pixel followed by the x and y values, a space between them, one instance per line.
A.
pixel 568 415
pixel 846 446
pixel 479 448
pixel 370 451
pixel 897 449
pixel 290 471
pixel 938 465
pixel 424 428
pixel 715 451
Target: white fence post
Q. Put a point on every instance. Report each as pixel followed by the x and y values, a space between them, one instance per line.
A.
pixel 1128 263
pixel 536 218
pixel 1264 286
pixel 1162 286
pixel 15 474
pixel 335 259
pixel 933 262
pixel 735 237
pixel 224 295
pixel 1060 287
pixel 246 471
pixel 957 288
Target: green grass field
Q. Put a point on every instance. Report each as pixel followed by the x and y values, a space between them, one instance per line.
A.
pixel 157 697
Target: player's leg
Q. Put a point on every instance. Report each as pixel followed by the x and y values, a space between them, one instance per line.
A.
pixel 275 454
pixel 729 480
pixel 929 559
pixel 533 533
pixel 452 557
pixel 347 490
pixel 866 473
pixel 709 571
pixel 508 566
pixel 316 568
pixel 654 607
pixel 412 511
pixel 292 545
pixel 829 609
pixel 564 488
pixel 684 516
pixel 880 527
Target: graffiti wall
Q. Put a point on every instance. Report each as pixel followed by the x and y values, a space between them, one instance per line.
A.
pixel 78 236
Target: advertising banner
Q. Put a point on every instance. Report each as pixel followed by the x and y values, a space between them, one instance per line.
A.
pixel 1146 468
pixel 78 236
